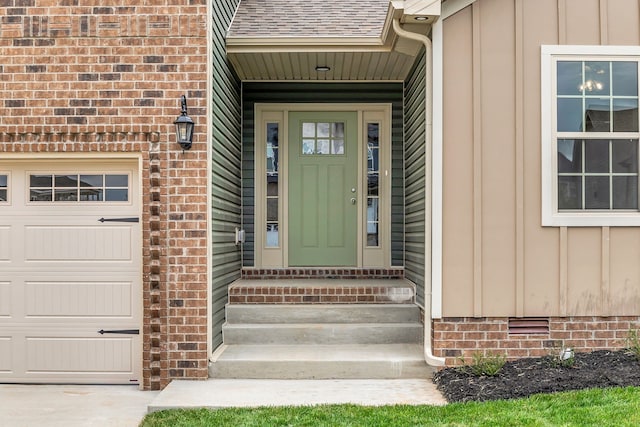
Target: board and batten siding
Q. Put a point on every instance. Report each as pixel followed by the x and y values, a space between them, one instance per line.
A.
pixel 226 169
pixel 269 92
pixel 415 195
pixel 497 258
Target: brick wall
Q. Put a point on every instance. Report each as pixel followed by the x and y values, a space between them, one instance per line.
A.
pixel 458 337
pixel 80 76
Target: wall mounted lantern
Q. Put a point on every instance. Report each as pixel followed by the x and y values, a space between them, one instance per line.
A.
pixel 184 127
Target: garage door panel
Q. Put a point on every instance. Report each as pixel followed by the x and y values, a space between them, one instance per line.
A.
pixel 79 299
pixel 5 299
pixel 6 351
pixel 79 354
pixel 5 243
pixel 65 276
pixel 80 243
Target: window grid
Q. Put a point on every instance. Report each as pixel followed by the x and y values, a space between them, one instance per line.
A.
pixel 52 188
pixel 585 89
pixel 322 138
pixel 610 174
pixel 584 134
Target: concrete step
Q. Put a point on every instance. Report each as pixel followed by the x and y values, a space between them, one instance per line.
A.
pixel 322 333
pixel 322 313
pixel 381 361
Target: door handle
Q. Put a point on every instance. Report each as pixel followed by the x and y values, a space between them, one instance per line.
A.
pixel 353 200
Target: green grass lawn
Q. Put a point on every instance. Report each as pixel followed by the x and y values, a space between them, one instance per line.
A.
pixel 597 407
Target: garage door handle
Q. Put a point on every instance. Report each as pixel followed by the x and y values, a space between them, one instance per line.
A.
pixel 120 331
pixel 133 219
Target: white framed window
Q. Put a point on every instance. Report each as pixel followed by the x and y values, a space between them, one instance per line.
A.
pixel 78 187
pixel 5 187
pixel 590 134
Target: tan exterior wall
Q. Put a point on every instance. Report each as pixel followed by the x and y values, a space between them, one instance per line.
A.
pixel 79 77
pixel 498 259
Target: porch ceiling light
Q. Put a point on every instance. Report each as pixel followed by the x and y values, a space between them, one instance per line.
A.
pixel 323 68
pixel 421 18
pixel 184 127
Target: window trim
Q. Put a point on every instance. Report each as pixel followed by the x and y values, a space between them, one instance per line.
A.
pixel 277 257
pixel 550 214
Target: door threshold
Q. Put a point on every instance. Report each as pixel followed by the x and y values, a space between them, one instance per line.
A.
pixel 323 273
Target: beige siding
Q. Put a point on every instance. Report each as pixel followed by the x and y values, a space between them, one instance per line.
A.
pixel 498 260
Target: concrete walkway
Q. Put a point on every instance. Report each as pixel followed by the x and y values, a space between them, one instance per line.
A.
pixel 224 393
pixel 124 406
pixel 72 405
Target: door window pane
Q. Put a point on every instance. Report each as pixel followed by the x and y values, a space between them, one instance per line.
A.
pixel 272 144
pixel 373 189
pixel 323 138
pixel 323 147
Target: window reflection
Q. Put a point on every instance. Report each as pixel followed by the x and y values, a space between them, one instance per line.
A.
pixel 598 174
pixel 272 192
pixel 323 138
pixel 4 183
pixel 79 188
pixel 597 96
pixel 373 175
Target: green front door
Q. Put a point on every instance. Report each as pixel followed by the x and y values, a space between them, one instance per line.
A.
pixel 323 171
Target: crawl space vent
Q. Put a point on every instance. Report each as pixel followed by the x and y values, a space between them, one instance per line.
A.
pixel 528 325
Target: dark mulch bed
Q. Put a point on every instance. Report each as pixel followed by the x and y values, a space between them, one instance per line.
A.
pixel 524 377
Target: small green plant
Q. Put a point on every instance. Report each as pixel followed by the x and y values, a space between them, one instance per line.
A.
pixel 633 342
pixel 485 364
pixel 561 356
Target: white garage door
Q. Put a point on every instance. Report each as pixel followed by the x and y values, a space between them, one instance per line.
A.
pixel 70 272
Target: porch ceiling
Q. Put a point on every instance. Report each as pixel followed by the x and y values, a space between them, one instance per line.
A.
pixel 288 39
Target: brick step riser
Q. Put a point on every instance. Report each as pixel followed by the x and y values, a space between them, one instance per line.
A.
pixel 283 294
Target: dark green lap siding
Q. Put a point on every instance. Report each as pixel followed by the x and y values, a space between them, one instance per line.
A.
pixel 414 158
pixel 226 168
pixel 329 93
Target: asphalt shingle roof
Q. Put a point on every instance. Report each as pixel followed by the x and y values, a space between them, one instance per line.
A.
pixel 309 18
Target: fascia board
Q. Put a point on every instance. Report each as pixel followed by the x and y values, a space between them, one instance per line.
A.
pixel 328 44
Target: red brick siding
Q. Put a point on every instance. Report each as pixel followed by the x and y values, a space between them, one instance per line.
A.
pixel 84 77
pixel 456 338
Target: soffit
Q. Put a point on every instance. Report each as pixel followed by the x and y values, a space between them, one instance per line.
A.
pixel 287 39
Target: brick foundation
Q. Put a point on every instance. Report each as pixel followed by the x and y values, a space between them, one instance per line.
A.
pixel 460 337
